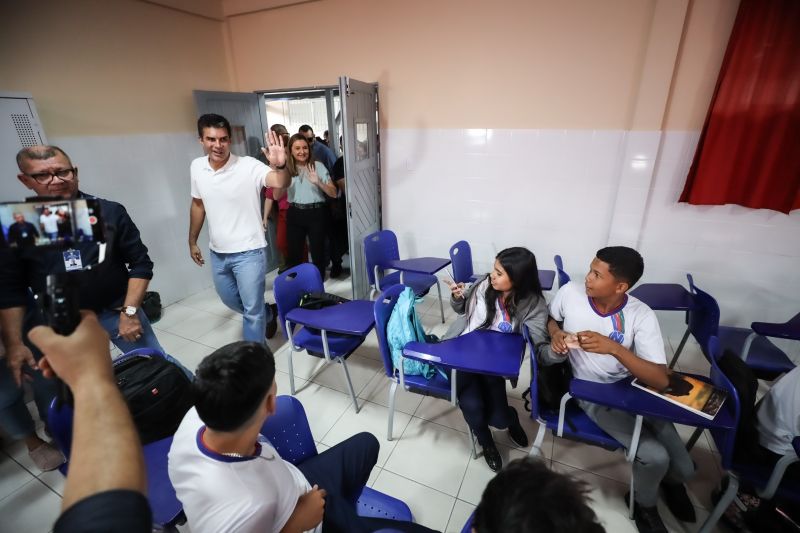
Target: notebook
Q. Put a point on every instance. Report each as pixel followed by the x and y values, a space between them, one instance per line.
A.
pixel 697 396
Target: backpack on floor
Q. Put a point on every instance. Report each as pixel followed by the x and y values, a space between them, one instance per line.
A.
pixel 157 392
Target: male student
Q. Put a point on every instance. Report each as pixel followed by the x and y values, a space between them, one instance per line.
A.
pixel 611 336
pixel 229 477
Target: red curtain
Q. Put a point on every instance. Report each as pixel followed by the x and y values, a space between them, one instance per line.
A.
pixel 749 150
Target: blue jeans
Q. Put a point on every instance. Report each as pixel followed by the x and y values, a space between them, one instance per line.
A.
pixel 239 280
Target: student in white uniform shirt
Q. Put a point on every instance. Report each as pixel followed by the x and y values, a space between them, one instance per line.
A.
pixel 608 335
pixel 778 418
pixel 229 478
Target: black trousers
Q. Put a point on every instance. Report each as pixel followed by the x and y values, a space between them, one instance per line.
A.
pixel 338 238
pixel 483 402
pixel 343 471
pixel 312 223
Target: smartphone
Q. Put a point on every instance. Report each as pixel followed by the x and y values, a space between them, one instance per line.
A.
pixel 51 223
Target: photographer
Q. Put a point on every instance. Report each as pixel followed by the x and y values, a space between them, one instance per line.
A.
pixel 105 486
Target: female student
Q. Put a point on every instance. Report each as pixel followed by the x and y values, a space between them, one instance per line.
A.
pixel 308 213
pixel 505 300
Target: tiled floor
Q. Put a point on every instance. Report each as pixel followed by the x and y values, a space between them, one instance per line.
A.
pixel 428 464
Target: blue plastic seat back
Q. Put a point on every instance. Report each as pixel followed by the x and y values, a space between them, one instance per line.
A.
pixel 379 247
pixel 535 414
pixel 461 259
pixel 288 430
pixel 374 504
pixel 468 524
pixel 291 285
pixel 563 277
pixel 703 318
pixel 723 438
pixel 384 305
pixel 59 420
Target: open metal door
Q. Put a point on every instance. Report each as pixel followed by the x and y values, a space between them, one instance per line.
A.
pixel 362 172
pixel 247 115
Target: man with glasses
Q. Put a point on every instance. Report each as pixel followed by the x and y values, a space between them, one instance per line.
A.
pixel 321 153
pixel 114 290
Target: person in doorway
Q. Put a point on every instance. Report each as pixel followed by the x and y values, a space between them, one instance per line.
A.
pixel 308 214
pixel 227 188
pixel 321 153
pixel 338 234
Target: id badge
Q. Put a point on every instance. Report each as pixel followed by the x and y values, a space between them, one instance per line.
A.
pixel 72 260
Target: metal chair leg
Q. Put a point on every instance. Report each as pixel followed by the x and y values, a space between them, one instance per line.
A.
pixel 392 392
pixel 472 442
pixel 536 449
pixel 291 369
pixel 680 348
pixel 724 501
pixel 441 305
pixel 631 498
pixel 349 383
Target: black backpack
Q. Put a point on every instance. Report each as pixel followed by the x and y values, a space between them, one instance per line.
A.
pixel 744 381
pixel 151 305
pixel 157 392
pixel 318 300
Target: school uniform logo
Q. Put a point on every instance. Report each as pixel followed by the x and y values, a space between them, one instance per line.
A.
pixel 618 323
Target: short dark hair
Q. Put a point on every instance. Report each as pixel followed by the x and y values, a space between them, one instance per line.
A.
pixel 230 384
pixel 40 152
pixel 527 497
pixel 625 264
pixel 305 127
pixel 210 120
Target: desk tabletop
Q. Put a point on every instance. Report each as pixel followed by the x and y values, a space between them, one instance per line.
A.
pixel 350 318
pixel 664 296
pixel 482 352
pixel 624 396
pixel 419 265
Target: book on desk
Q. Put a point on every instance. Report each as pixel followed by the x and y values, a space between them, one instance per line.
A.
pixel 692 394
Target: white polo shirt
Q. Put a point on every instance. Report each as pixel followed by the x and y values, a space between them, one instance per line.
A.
pixel 779 414
pixel 633 325
pixel 237 494
pixel 232 200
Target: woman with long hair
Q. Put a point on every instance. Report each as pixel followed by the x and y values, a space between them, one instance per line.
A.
pixel 506 300
pixel 308 214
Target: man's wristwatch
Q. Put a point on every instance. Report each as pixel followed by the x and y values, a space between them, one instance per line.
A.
pixel 129 310
pixel 276 167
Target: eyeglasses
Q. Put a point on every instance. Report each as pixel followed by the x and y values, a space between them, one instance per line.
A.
pixel 65 174
pixel 310 140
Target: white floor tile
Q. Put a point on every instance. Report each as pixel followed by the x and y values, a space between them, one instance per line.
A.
pixel 433 455
pixel 372 418
pixel 442 412
pixel 19 453
pixel 458 517
pixel 361 370
pixel 706 478
pixel 33 507
pixel 227 332
pixel 12 475
pixel 55 480
pixel 197 325
pixel 191 353
pixel 592 459
pixel 169 341
pixel 479 474
pixel 377 391
pixel 174 314
pixel 429 507
pixel 323 406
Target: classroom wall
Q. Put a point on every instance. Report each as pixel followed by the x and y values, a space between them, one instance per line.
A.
pixel 112 82
pixel 563 126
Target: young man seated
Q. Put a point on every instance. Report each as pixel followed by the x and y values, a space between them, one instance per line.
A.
pixel 228 476
pixel 607 336
pixel 528 497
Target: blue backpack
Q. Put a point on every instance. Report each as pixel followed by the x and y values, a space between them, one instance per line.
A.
pixel 404 327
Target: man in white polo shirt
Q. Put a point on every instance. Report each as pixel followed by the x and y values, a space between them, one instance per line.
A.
pixel 226 188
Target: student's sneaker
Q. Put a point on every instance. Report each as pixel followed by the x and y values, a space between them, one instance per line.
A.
pixel 492 457
pixel 46 457
pixel 678 501
pixel 272 325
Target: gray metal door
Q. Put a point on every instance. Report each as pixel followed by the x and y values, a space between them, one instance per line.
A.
pixel 362 172
pixel 248 118
pixel 20 127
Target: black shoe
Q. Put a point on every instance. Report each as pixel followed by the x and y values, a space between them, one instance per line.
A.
pixel 492 457
pixel 647 519
pixel 272 325
pixel 516 432
pixel 678 501
pixel 336 271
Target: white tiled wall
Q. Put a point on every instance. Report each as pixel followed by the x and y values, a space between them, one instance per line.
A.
pixel 573 191
pixel 149 175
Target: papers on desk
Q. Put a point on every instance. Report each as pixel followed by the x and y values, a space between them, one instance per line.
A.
pixel 697 396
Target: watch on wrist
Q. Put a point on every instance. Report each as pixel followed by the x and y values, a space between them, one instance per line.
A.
pixel 129 310
pixel 283 166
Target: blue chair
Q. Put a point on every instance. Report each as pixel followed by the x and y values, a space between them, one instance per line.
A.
pixel 381 247
pixel 437 386
pixel 571 422
pixel 461 259
pixel 289 287
pixel 289 433
pixel 563 277
pixel 765 359
pixel 167 509
pixel 468 524
pixel 767 481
